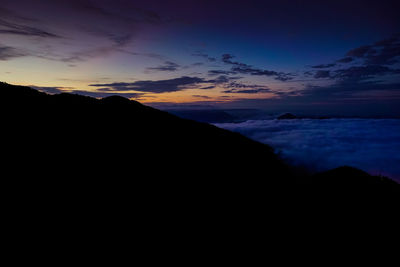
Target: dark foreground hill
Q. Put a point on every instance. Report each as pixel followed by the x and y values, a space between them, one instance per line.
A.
pixel 114 163
pixel 114 166
pixel 114 140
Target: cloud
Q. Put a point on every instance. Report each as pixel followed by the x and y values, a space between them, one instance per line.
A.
pixel 384 52
pixel 376 98
pixel 368 144
pixel 345 60
pixel 52 90
pixel 221 72
pixel 363 72
pixel 169 85
pixel 167 66
pixel 372 60
pixel 19 29
pixel 205 56
pixel 248 91
pixel 243 68
pixel 387 55
pixel 202 96
pixel 159 86
pixel 243 85
pixel 99 93
pixel 105 94
pixel 208 87
pixel 308 73
pixel 323 66
pixel 347 90
pixel 283 77
pixel 7 53
pixel 223 79
pixel 85 55
pixel 77 31
pixel 241 88
pixel 149 55
pixel 227 58
pixel 322 74
pixel 359 51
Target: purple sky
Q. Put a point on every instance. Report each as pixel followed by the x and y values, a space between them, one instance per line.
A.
pixel 339 57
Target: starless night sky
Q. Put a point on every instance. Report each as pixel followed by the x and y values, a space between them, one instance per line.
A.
pixel 339 57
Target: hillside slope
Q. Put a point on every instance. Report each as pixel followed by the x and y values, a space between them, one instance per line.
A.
pixel 73 141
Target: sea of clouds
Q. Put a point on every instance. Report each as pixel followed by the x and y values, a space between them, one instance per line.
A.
pixel 372 145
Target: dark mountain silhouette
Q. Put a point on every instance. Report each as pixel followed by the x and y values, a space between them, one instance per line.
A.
pixel 287 116
pixel 97 175
pixel 115 156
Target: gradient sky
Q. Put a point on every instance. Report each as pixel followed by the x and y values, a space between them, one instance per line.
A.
pixel 339 57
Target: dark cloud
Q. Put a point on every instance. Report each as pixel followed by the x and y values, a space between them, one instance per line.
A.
pixel 254 71
pixel 99 93
pixel 221 72
pixel 363 72
pixel 105 94
pixel 247 91
pixel 7 53
pixel 202 96
pixel 243 85
pixel 170 85
pixel 121 40
pixel 322 74
pixel 349 90
pixel 241 88
pixel 389 41
pixel 19 29
pixel 308 73
pixel 52 90
pixel 85 55
pixel 373 62
pixel 388 55
pixel 260 72
pixel 384 52
pixel 359 51
pixel 227 58
pixel 283 77
pixel 345 60
pixel 167 66
pixel 223 79
pixel 323 66
pixel 160 86
pixel 243 68
pixel 205 56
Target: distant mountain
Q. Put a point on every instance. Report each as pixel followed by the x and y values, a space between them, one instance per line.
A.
pixel 83 148
pixel 287 116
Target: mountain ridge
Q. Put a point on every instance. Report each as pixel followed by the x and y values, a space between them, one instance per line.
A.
pixel 120 138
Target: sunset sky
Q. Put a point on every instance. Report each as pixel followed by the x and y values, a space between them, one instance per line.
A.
pixel 341 56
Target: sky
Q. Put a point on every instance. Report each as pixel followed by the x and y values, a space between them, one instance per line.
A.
pixel 318 57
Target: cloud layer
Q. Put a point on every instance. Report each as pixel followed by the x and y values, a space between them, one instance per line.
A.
pixel 369 144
